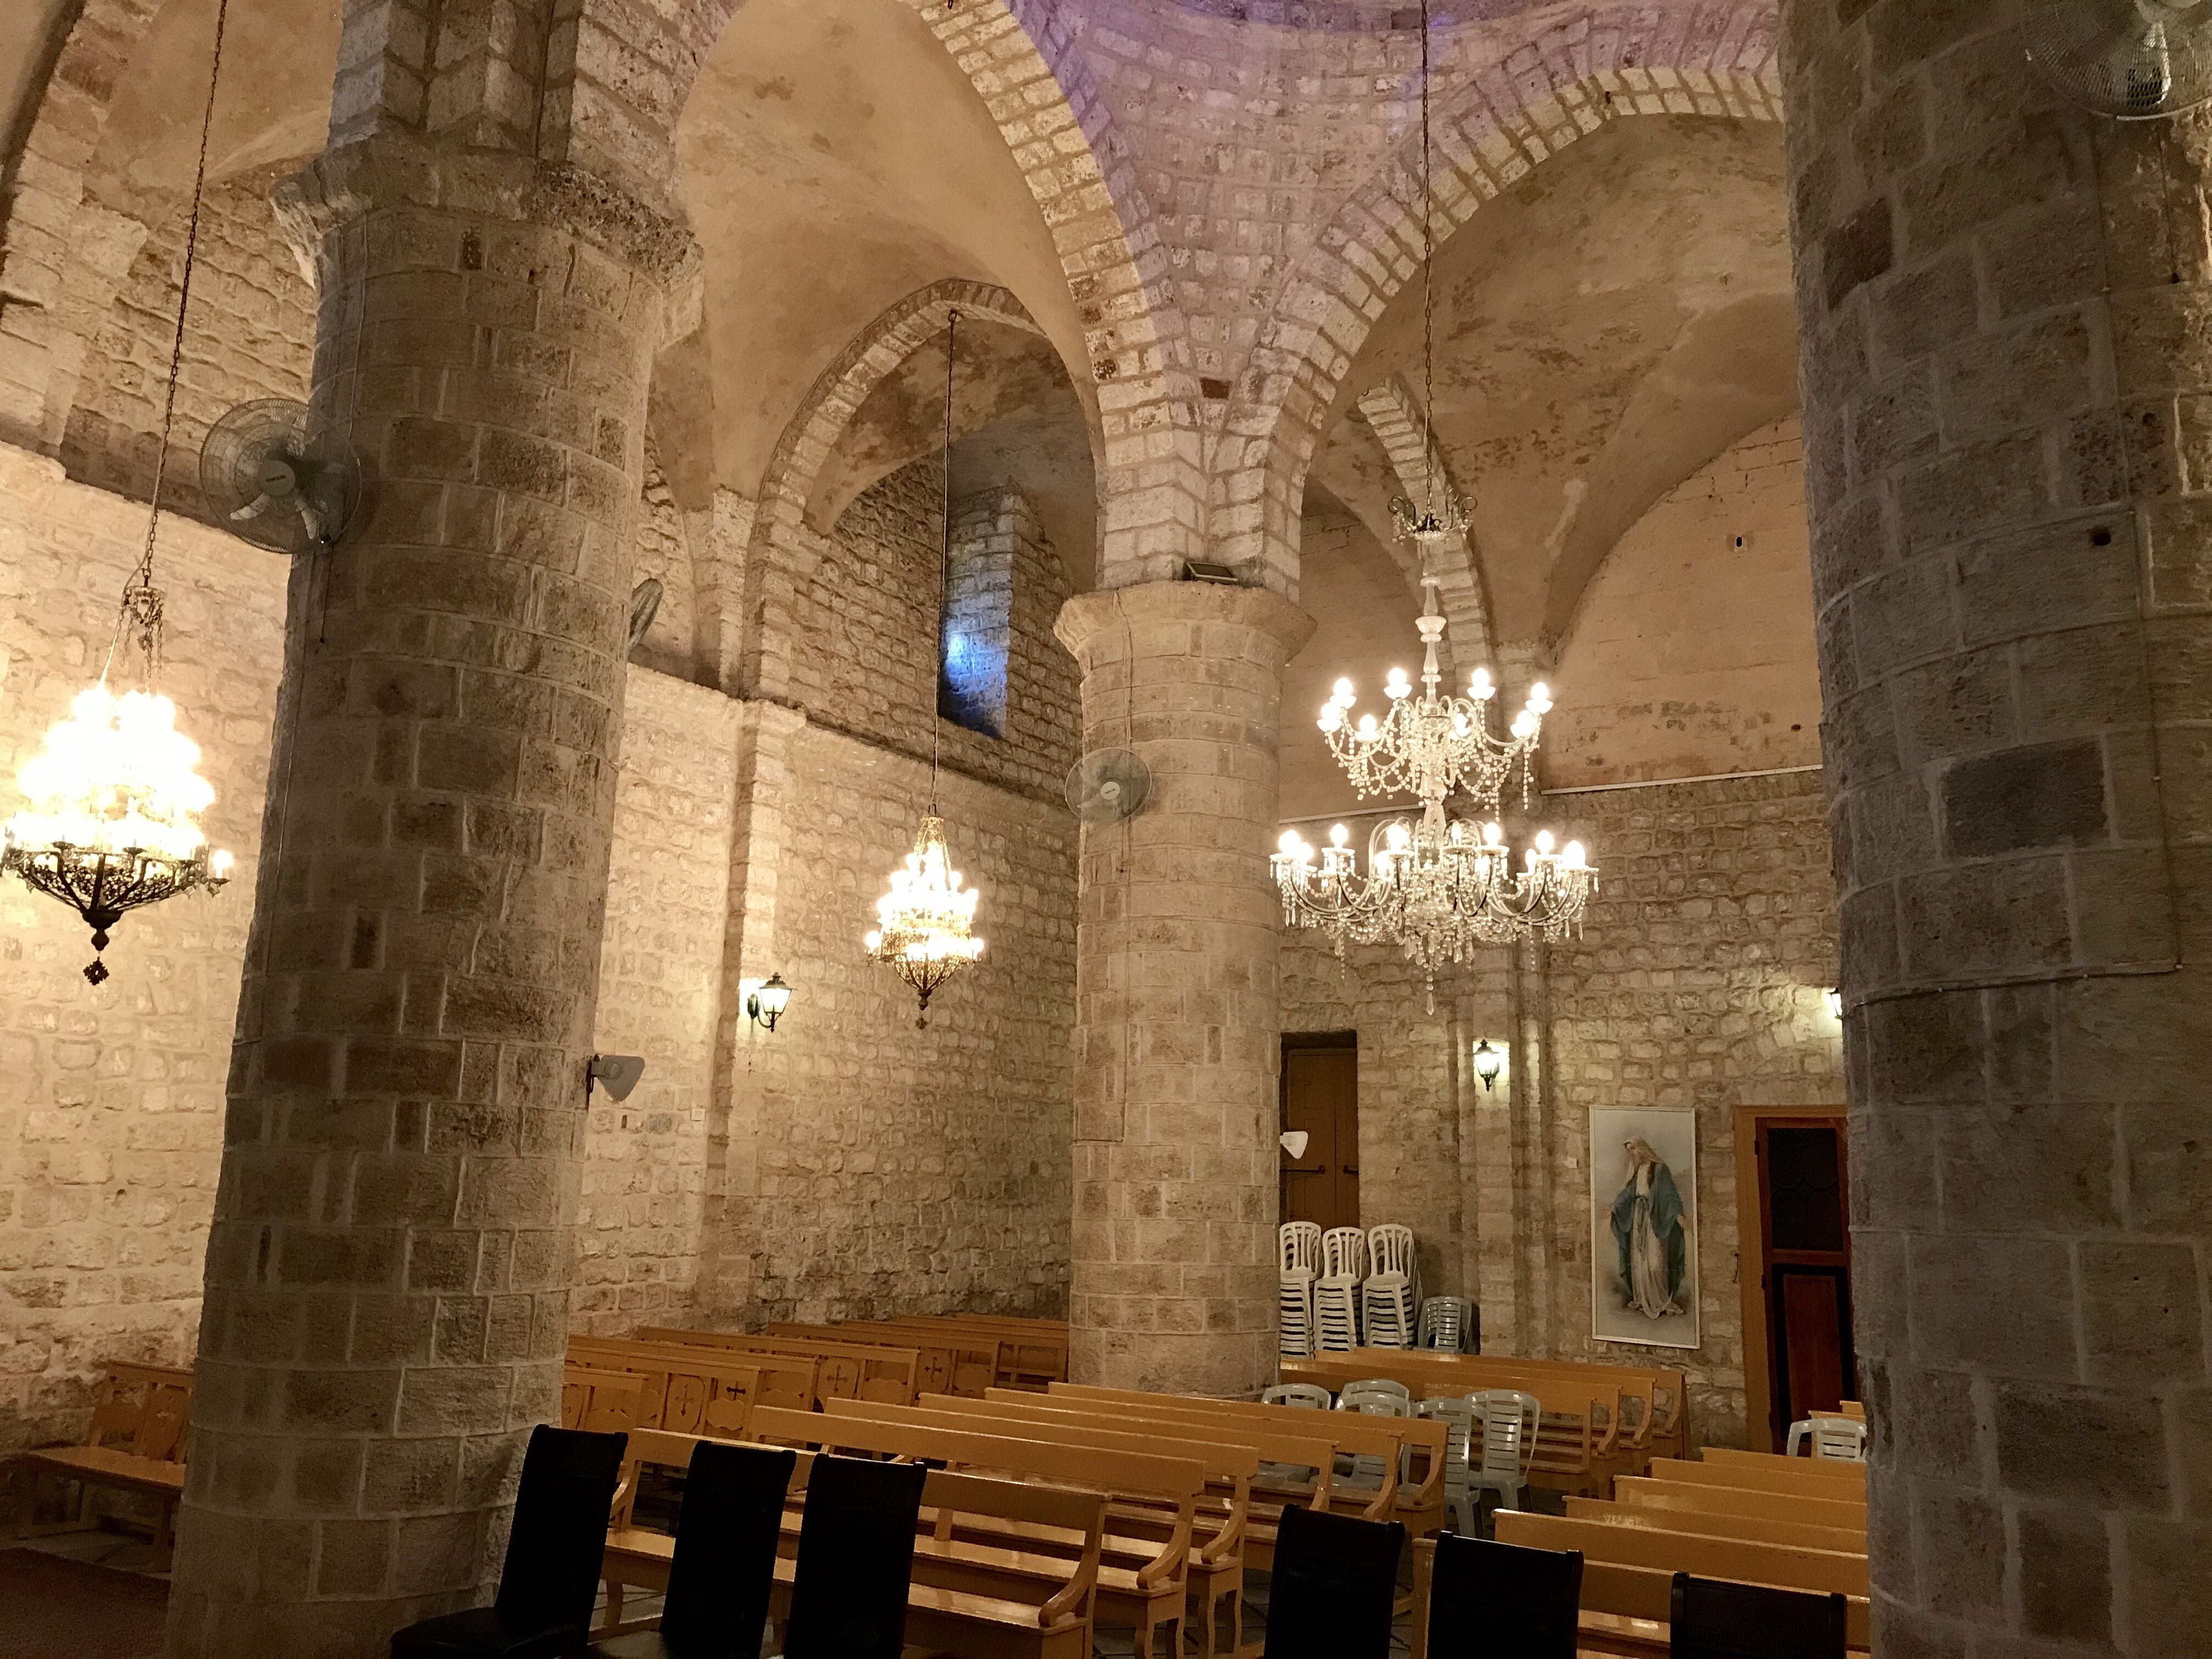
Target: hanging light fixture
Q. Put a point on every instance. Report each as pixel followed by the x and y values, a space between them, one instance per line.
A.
pixel 114 798
pixel 922 929
pixel 1439 886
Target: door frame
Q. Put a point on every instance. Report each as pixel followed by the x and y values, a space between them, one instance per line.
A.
pixel 1339 1040
pixel 1751 1234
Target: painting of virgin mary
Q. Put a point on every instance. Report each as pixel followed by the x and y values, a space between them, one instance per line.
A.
pixel 1643 1244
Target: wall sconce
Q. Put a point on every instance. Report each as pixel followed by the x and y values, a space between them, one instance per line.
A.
pixel 1488 1063
pixel 616 1074
pixel 1834 999
pixel 1294 1143
pixel 767 1001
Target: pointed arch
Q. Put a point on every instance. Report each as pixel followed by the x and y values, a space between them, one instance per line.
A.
pixel 1711 57
pixel 1394 415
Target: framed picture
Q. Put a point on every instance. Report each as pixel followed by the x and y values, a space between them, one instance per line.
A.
pixel 1644 1226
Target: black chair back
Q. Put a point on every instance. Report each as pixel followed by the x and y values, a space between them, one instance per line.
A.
pixel 855 1559
pixel 724 1565
pixel 1520 1601
pixel 1333 1582
pixel 1713 1619
pixel 554 1552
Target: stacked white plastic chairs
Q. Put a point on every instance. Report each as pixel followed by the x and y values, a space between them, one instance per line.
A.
pixel 1300 1247
pixel 1391 1292
pixel 1336 1292
pixel 1839 1439
pixel 1444 1323
pixel 1508 1421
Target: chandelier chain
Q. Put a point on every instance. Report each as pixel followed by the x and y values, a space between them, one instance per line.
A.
pixel 141 611
pixel 1428 292
pixel 944 555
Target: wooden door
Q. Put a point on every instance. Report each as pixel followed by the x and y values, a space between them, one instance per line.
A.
pixel 1804 1269
pixel 1321 1096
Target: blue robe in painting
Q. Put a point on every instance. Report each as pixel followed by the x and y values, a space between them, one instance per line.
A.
pixel 1666 1221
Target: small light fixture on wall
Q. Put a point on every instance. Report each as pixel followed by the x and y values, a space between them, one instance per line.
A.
pixel 767 1001
pixel 1488 1063
pixel 1834 999
pixel 616 1074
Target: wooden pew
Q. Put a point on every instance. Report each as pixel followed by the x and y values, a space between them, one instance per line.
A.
pixel 1629 1571
pixel 1579 1417
pixel 1035 1352
pixel 951 1363
pixel 1718 1523
pixel 843 1371
pixel 1689 1499
pixel 605 1402
pixel 1227 1539
pixel 1839 1471
pixel 1800 1476
pixel 1139 1585
pixel 1154 1593
pixel 1420 1506
pixel 698 1390
pixel 135 1445
pixel 962 1600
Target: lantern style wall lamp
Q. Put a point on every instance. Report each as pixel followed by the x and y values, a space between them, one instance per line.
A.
pixel 1488 1063
pixel 768 1001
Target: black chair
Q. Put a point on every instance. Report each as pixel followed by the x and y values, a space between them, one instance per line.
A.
pixel 554 1552
pixel 1334 1582
pixel 1713 1619
pixel 855 1559
pixel 724 1565
pixel 1507 1597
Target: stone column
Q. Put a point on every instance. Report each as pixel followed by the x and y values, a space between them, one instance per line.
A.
pixel 1177 1027
pixel 2003 307
pixel 388 1277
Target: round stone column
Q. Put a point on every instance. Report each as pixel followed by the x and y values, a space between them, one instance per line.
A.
pixel 1177 1026
pixel 2003 307
pixel 388 1277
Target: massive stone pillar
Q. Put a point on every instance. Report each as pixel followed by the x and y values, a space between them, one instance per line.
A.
pixel 388 1278
pixel 2006 310
pixel 1177 1029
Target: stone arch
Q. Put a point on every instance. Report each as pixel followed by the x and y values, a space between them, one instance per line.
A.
pixel 1711 58
pixel 782 548
pixel 39 218
pixel 1394 415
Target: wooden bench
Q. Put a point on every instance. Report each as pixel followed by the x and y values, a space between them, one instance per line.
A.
pixel 698 1390
pixel 1722 1523
pixel 605 1402
pixel 843 1371
pixel 1228 1535
pixel 1843 1472
pixel 1034 1352
pixel 1800 1476
pixel 963 1601
pixel 1628 1571
pixel 135 1445
pixel 1580 1427
pixel 951 1363
pixel 1691 1498
pixel 1152 1594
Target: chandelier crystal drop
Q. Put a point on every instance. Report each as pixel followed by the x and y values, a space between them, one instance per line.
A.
pixel 1439 886
pixel 924 923
pixel 114 800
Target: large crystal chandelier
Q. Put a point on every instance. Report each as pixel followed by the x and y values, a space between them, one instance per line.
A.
pixel 114 800
pixel 922 929
pixel 1439 886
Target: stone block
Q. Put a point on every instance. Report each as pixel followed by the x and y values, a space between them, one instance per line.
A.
pixel 1988 1303
pixel 2112 1457
pixel 2022 801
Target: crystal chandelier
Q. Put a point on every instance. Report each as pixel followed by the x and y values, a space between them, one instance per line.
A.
pixel 1439 886
pixel 922 924
pixel 114 800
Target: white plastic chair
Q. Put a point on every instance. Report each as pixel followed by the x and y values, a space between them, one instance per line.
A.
pixel 1458 1416
pixel 1309 1396
pixel 1336 1292
pixel 1299 1261
pixel 1508 1444
pixel 1444 1323
pixel 1840 1439
pixel 1390 1292
pixel 1376 1397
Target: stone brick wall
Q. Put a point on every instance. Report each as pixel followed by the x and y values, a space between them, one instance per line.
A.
pixel 664 553
pixel 1692 653
pixel 645 1159
pixel 251 335
pixel 111 1111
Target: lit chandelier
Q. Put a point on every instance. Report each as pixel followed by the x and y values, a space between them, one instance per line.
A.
pixel 922 924
pixel 114 798
pixel 1440 887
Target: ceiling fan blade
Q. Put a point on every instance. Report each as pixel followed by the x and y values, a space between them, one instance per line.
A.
pixel 252 509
